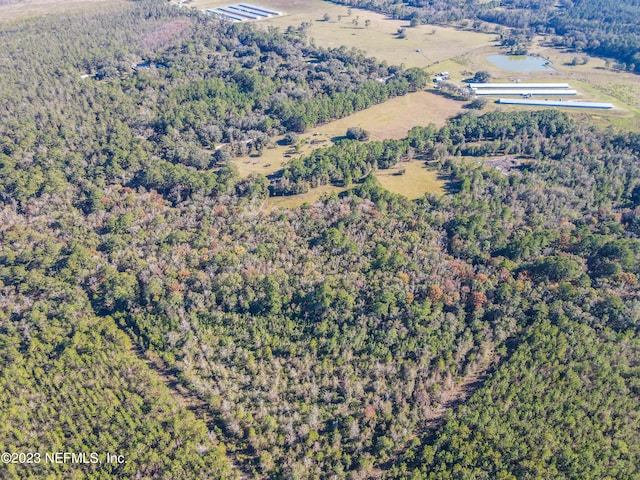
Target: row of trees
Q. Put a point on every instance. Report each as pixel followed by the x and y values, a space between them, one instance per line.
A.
pixel 491 134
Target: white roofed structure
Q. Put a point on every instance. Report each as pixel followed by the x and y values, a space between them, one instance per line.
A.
pixel 259 9
pixel 518 85
pixel 243 11
pixel 225 15
pixel 554 103
pixel 522 92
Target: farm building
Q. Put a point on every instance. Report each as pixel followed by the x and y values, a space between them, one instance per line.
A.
pixel 225 15
pixel 554 103
pixel 242 12
pixel 243 15
pixel 525 92
pixel 518 85
pixel 245 11
pixel 259 9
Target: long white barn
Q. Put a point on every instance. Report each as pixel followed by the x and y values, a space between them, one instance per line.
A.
pixel 259 9
pixel 225 15
pixel 521 92
pixel 518 85
pixel 554 103
pixel 242 12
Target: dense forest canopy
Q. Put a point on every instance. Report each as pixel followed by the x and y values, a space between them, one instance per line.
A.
pixel 151 308
pixel 213 85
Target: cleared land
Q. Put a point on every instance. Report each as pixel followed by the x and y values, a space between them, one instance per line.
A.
pixel 372 32
pixel 391 119
pixel 17 9
pixel 294 201
pixel 417 180
pixel 593 81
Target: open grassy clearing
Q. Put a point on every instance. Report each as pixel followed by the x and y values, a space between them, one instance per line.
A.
pixel 294 201
pixel 19 9
pixel 417 180
pixel 391 119
pixel 369 31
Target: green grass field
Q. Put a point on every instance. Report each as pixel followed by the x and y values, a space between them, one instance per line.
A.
pixel 294 201
pixel 391 119
pixel 369 31
pixel 412 179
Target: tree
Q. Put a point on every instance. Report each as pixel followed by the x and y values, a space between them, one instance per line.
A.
pixel 357 133
pixel 478 103
pixel 291 139
pixel 482 76
pixel 221 157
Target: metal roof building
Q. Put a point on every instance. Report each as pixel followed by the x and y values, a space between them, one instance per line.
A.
pixel 259 9
pixel 554 103
pixel 520 92
pixel 243 15
pixel 246 11
pixel 226 16
pixel 518 85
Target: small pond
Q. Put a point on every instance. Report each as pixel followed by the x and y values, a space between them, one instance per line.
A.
pixel 520 63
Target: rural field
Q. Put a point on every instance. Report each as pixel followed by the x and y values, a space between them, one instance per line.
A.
pixel 294 201
pixel 459 52
pixel 593 81
pixel 391 119
pixel 423 46
pixel 18 9
pixel 412 179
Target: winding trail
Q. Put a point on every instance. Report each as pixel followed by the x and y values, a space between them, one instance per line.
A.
pixel 450 399
pixel 187 399
pixel 459 393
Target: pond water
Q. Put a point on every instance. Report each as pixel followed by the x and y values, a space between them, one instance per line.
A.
pixel 520 63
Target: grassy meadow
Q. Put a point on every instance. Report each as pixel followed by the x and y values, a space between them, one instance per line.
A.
pixel 11 10
pixel 412 179
pixel 391 119
pixel 372 32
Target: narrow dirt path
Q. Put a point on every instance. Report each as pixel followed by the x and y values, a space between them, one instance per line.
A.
pixel 459 393
pixel 185 398
pixel 449 399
